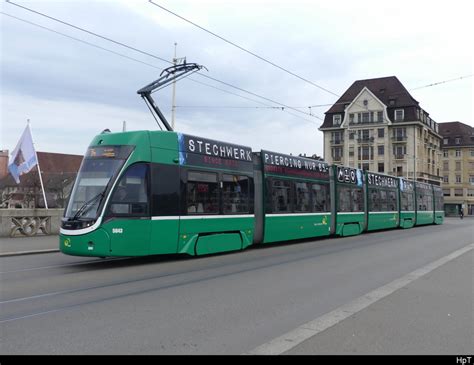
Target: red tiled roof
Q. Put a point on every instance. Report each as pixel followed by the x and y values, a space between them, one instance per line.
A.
pixel 51 164
pixel 59 162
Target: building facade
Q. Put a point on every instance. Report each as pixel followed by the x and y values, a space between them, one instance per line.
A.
pixel 458 167
pixel 3 163
pixel 377 125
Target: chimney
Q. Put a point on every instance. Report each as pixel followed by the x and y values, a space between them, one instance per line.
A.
pixel 3 163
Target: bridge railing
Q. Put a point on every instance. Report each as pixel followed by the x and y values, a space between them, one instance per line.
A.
pixel 29 222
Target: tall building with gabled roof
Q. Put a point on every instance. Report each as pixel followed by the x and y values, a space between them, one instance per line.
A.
pixel 458 167
pixel 377 125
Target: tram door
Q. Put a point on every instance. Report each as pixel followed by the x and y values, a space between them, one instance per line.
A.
pixel 128 220
pixel 165 208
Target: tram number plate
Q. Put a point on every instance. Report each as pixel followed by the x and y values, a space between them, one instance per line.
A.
pixel 117 230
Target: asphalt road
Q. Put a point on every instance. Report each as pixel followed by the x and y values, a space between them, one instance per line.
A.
pixel 221 304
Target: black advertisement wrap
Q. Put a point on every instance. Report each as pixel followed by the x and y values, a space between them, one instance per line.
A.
pixel 348 175
pixel 382 181
pixel 295 166
pixel 407 186
pixel 197 151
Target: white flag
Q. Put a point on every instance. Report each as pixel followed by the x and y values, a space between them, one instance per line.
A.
pixel 23 158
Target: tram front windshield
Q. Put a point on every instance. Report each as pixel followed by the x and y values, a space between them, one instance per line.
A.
pixel 99 168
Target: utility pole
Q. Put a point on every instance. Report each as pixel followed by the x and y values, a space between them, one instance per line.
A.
pixel 414 152
pixel 173 105
pixel 176 61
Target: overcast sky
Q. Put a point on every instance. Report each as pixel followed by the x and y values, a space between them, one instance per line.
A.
pixel 71 90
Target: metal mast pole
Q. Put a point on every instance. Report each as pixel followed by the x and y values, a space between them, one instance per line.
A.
pixel 173 106
pixel 39 169
pixel 414 152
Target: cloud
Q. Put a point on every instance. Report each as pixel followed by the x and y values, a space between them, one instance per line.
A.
pixel 68 127
pixel 71 91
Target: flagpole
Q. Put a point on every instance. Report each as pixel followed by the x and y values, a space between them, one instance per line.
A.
pixel 39 169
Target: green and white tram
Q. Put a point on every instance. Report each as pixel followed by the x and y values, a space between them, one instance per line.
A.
pixel 161 192
pixel 407 203
pixel 438 204
pixel 424 203
pixel 383 210
pixel 349 201
pixel 296 197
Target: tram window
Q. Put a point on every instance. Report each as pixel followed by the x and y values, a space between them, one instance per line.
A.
pixel 407 201
pixel 321 199
pixel 130 197
pixel 235 194
pixel 280 196
pixel 374 200
pixel 202 193
pixel 429 201
pixel 383 200
pixel 357 199
pixel 392 201
pixel 421 202
pixel 302 197
pixel 350 199
pixel 439 200
pixel 425 202
pixel 165 185
pixel 344 194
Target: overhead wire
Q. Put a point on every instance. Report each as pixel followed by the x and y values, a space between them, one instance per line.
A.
pixel 159 58
pixel 203 75
pixel 244 49
pixel 229 107
pixel 80 40
pixel 273 63
pixel 147 64
pixel 88 31
pixel 441 82
pixel 266 106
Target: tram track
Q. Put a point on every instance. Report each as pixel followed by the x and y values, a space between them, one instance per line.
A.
pixel 231 302
pixel 54 301
pixel 96 261
pixel 256 264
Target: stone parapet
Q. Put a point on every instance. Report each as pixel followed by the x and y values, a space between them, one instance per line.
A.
pixel 29 222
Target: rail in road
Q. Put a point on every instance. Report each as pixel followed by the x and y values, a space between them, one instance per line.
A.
pixel 221 304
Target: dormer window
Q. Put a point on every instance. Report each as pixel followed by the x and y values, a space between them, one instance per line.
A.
pixel 336 119
pixel 457 140
pixel 399 115
pixel 445 140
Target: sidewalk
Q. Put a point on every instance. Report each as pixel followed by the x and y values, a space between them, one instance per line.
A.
pixel 433 315
pixel 28 245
